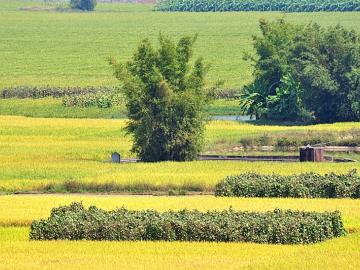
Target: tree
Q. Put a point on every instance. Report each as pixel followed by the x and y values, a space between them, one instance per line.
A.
pixel 303 70
pixel 88 5
pixel 165 100
pixel 274 94
pixel 327 62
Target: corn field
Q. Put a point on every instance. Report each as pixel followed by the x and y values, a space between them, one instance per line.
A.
pixel 257 5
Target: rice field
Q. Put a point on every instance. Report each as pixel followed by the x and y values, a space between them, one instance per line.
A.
pixel 53 153
pixel 72 48
pixel 17 252
pixel 20 210
pixel 46 154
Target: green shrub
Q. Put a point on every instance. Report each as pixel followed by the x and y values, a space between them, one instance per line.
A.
pixel 88 5
pixel 306 185
pixel 220 93
pixel 285 142
pixel 100 100
pixel 74 222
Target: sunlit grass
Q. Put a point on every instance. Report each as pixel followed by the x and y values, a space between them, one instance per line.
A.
pixel 37 152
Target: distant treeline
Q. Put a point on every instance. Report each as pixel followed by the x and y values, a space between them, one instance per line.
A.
pixel 257 5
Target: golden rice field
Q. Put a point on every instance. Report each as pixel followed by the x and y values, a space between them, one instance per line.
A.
pixel 37 152
pixel 17 252
pixel 20 210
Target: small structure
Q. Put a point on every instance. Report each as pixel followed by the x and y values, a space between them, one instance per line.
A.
pixel 312 154
pixel 115 157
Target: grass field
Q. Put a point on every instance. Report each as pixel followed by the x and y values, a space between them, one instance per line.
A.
pixel 40 154
pixel 71 48
pixel 53 108
pixel 17 252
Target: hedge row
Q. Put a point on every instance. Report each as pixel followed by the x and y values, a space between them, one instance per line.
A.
pixel 306 185
pixel 75 222
pixel 50 91
pixel 257 5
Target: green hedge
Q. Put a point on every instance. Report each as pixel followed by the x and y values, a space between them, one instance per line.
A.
pixel 25 91
pixel 75 222
pixel 306 185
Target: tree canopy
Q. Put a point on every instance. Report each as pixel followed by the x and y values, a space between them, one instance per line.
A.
pixel 304 72
pixel 165 99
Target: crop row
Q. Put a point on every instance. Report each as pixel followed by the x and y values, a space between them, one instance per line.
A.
pixel 306 185
pixel 256 5
pixel 75 222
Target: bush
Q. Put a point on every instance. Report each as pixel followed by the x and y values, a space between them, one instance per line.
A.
pixel 74 222
pixel 100 100
pixel 219 93
pixel 306 185
pixel 88 5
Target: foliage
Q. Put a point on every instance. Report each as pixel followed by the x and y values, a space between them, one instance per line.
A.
pixel 304 70
pixel 75 222
pixel 256 5
pixel 88 5
pixel 99 99
pixel 165 100
pixel 220 93
pixel 306 185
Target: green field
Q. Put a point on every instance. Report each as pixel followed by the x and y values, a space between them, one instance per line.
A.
pixel 17 252
pixel 71 48
pixel 53 108
pixel 46 154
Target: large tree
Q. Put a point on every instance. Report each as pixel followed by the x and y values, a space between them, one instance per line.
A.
pixel 165 100
pixel 302 70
